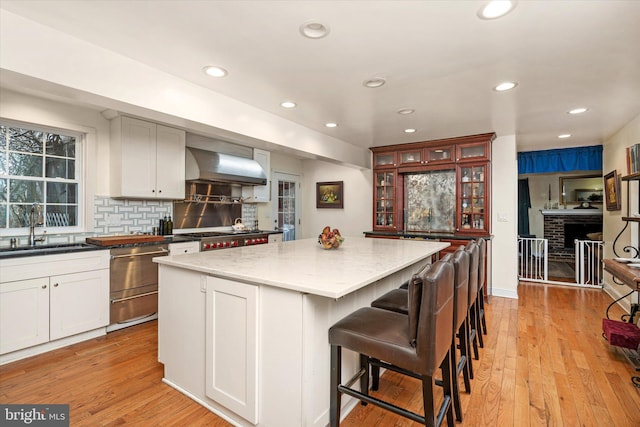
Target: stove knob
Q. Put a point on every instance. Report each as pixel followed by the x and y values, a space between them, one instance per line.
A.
pixel 236 243
pixel 226 244
pixel 207 246
pixel 219 244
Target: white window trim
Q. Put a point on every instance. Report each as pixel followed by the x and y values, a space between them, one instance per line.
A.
pixel 85 198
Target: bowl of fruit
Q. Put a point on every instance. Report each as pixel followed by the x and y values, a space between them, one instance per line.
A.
pixel 330 239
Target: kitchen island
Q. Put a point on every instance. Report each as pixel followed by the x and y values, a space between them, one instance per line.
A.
pixel 243 331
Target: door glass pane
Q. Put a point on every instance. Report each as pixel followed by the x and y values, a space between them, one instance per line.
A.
pixel 287 209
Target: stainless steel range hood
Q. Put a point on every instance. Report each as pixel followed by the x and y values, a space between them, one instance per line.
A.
pixel 206 166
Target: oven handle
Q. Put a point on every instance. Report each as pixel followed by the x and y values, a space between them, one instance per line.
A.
pixel 113 301
pixel 161 251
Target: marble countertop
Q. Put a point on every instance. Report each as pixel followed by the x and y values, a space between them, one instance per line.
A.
pixel 304 266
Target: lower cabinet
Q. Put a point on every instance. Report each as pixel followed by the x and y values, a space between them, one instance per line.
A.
pixel 76 303
pixel 41 309
pixel 232 346
pixel 24 314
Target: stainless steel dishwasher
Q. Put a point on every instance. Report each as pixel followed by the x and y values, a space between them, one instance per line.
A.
pixel 134 284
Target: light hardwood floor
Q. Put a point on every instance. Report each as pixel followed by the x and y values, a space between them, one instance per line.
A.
pixel 545 363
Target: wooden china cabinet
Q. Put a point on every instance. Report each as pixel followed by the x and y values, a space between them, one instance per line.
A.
pixel 439 188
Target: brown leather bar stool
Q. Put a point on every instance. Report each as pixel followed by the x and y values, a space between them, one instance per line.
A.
pixel 482 280
pixel 397 300
pixel 419 343
pixel 474 255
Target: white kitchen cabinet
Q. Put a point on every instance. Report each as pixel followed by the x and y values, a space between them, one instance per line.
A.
pixel 77 303
pixel 24 314
pixel 275 238
pixel 184 248
pixel 231 346
pixel 147 160
pixel 259 193
pixel 51 297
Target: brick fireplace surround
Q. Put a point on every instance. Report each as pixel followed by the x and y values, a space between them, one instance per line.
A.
pixel 554 221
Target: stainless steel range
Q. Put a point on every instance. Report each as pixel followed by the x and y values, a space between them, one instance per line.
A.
pixel 214 240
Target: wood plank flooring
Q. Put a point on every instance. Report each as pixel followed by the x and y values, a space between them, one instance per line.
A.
pixel 545 363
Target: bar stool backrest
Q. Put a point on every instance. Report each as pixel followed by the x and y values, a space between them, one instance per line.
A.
pixel 474 254
pixel 482 245
pixel 460 259
pixel 435 320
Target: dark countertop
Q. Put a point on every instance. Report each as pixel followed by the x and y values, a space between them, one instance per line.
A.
pixel 423 235
pixel 65 248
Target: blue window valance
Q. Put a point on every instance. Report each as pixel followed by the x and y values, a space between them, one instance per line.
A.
pixel 561 160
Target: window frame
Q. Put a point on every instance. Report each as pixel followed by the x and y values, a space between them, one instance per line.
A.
pixel 80 177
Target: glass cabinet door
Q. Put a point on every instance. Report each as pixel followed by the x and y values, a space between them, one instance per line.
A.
pixel 411 157
pixel 384 200
pixel 472 152
pixel 472 199
pixel 384 160
pixel 439 154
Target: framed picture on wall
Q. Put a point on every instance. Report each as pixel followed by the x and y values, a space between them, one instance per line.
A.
pixel 329 195
pixel 612 191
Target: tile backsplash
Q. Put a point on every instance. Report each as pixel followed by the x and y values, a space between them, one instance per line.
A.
pixel 115 216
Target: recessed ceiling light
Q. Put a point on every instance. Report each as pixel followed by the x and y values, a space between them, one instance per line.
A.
pixel 288 104
pixel 331 125
pixel 564 135
pixel 496 9
pixel 374 82
pixel 314 30
pixel 577 110
pixel 215 71
pixel 405 111
pixel 410 130
pixel 505 86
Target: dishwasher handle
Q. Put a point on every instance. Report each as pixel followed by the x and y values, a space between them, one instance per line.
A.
pixel 160 252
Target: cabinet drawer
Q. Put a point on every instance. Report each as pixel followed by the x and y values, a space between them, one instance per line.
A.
pixel 51 265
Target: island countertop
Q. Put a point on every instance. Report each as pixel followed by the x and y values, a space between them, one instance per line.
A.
pixel 304 266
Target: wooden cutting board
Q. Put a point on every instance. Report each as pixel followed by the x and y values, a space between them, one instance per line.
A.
pixel 123 240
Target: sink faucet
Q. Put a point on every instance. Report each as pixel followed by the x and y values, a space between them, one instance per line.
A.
pixel 35 220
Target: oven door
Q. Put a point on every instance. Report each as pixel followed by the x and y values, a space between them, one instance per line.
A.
pixel 134 282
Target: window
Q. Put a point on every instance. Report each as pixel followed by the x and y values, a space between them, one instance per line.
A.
pixel 39 165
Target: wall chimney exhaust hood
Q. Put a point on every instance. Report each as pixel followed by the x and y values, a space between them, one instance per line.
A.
pixel 206 166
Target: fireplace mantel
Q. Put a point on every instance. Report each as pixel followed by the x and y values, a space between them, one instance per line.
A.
pixel 559 212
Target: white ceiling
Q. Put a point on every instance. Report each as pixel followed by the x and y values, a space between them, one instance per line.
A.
pixel 437 57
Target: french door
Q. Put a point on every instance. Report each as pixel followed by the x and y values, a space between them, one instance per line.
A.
pixel 286 198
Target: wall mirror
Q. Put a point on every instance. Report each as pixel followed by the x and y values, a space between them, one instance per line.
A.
pixel 581 189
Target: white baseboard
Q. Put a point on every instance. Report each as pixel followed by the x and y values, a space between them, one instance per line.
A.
pixel 51 345
pixel 505 293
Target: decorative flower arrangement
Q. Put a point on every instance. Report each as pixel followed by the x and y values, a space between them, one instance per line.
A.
pixel 330 239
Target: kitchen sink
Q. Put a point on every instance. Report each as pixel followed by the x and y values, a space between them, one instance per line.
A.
pixel 44 249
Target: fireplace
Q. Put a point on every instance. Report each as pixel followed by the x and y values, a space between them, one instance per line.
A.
pixel 563 226
pixel 579 231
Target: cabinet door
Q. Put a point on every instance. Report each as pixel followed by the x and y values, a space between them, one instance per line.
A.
pixel 437 155
pixel 472 199
pixel 169 169
pixel 411 157
pixel 384 203
pixel 138 159
pixel 259 193
pixel 231 341
pixel 472 152
pixel 79 302
pixel 24 314
pixel 385 160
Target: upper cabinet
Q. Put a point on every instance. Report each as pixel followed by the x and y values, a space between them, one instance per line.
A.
pixel 259 193
pixel 432 187
pixel 147 160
